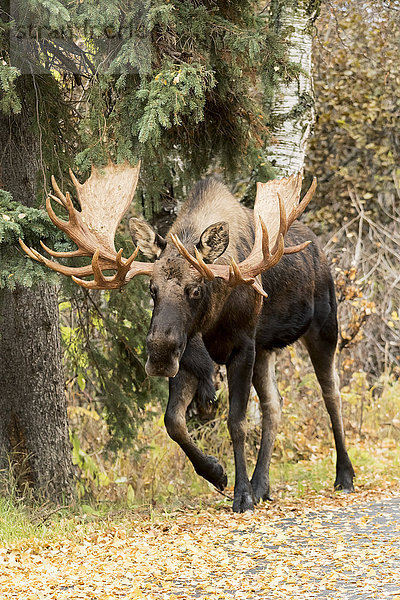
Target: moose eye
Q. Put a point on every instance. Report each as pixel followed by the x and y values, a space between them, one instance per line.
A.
pixel 194 293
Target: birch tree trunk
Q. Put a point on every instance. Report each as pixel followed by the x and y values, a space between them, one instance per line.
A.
pixel 293 104
pixel 34 438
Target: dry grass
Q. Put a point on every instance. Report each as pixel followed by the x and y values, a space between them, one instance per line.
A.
pixel 154 472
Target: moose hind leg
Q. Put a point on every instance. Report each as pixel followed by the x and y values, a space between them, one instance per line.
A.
pixel 322 356
pixel 264 382
pixel 181 392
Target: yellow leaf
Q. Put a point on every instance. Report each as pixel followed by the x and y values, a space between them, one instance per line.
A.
pixel 135 593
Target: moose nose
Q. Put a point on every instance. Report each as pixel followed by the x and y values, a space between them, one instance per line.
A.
pixel 164 352
pixel 162 370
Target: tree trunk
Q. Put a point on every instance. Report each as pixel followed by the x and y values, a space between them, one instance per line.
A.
pixel 293 104
pixel 34 437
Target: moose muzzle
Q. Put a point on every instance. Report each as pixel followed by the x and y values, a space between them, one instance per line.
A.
pixel 165 346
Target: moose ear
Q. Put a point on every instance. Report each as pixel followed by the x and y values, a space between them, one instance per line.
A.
pixel 214 241
pixel 143 235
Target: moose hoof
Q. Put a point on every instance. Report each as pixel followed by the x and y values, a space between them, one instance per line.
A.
pixel 261 495
pixel 222 482
pixel 243 502
pixel 214 473
pixel 260 491
pixel 344 482
pixel 206 393
pixel 344 488
pixel 219 477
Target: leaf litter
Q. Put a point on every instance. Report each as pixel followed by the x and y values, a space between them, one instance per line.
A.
pixel 329 546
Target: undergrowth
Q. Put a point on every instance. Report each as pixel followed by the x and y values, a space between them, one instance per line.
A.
pixel 155 472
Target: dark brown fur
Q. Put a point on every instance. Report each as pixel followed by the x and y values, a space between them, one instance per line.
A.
pixel 195 321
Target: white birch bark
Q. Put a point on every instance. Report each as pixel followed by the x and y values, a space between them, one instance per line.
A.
pixel 296 100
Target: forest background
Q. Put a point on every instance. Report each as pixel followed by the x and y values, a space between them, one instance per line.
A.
pixel 120 450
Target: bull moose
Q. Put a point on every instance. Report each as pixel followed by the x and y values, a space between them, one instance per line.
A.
pixel 229 285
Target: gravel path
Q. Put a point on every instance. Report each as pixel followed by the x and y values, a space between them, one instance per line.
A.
pixel 281 551
pixel 351 553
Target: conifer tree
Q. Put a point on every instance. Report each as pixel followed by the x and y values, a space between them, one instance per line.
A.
pixel 184 86
pixel 34 439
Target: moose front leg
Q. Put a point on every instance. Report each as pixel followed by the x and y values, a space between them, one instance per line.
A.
pixel 181 392
pixel 240 370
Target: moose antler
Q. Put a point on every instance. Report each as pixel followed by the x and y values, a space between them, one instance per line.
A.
pixel 104 199
pixel 277 203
